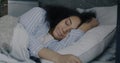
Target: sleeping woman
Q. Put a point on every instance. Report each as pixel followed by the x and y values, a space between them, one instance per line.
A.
pixel 65 27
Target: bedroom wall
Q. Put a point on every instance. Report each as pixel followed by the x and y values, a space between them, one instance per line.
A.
pixel 79 3
pixel 18 7
pixel 23 0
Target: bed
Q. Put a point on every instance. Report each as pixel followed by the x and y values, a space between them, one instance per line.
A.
pixel 88 48
pixel 97 41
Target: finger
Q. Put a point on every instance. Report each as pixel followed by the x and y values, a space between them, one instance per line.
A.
pixel 74 61
pixel 77 60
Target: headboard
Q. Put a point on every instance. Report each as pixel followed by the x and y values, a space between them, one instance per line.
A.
pixel 78 3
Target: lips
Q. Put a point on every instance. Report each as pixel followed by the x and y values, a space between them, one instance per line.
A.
pixel 59 34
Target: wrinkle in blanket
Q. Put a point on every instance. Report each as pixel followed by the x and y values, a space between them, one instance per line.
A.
pixel 7 24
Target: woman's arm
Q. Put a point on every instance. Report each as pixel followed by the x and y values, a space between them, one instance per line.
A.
pixel 56 57
pixel 71 38
pixel 32 18
pixel 48 54
pixel 37 49
pixel 89 25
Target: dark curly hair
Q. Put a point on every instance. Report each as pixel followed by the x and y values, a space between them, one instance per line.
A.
pixel 57 13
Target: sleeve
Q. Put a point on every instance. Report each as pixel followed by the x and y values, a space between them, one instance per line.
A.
pixel 34 46
pixel 71 38
pixel 34 23
pixel 32 19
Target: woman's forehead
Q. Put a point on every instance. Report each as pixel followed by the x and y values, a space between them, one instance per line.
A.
pixel 74 19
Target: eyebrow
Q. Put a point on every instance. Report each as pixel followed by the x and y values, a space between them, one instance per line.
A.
pixel 70 20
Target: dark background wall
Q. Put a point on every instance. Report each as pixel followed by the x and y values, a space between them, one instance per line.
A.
pixel 79 3
pixel 118 35
pixel 67 3
pixel 18 7
pixel 75 3
pixel 23 0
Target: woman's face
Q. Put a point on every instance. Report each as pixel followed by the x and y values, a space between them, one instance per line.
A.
pixel 65 26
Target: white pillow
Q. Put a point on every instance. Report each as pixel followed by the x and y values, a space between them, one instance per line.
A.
pixel 105 15
pixel 91 44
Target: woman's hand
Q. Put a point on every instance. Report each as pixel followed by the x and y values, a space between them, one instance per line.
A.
pixel 56 57
pixel 68 58
pixel 89 25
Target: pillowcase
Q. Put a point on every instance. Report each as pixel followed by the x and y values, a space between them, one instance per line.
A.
pixel 105 15
pixel 91 44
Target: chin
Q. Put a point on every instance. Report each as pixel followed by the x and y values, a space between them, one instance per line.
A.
pixel 58 38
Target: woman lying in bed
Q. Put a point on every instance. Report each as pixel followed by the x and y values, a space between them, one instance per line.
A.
pixel 65 26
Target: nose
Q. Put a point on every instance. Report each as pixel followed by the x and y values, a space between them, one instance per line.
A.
pixel 67 29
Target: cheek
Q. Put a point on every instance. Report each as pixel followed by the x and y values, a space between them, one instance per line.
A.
pixel 54 33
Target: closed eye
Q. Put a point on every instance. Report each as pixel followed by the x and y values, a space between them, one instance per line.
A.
pixel 68 22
